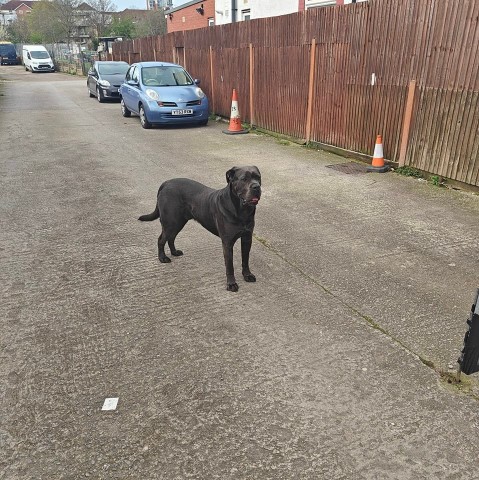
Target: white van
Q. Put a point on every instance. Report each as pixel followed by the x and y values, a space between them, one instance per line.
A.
pixel 37 59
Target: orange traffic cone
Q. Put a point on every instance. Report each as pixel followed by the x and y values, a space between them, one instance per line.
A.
pixel 377 165
pixel 235 119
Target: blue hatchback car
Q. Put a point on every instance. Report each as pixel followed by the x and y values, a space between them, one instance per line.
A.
pixel 161 94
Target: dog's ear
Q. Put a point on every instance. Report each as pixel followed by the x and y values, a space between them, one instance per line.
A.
pixel 230 174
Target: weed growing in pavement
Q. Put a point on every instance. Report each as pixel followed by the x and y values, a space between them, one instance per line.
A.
pixel 464 385
pixel 409 171
pixel 283 142
pixel 435 180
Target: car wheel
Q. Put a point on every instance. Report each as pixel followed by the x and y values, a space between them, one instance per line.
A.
pixel 203 122
pixel 143 120
pixel 26 69
pixel 124 111
pixel 99 95
pixel 89 92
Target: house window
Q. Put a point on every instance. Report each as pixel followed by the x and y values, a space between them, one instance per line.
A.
pixel 246 14
pixel 211 22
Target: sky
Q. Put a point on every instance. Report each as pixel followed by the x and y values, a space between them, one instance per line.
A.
pixel 122 4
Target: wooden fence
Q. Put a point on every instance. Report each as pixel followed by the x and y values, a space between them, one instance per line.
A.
pixel 340 75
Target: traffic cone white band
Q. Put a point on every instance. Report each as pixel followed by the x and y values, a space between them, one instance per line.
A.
pixel 377 164
pixel 234 109
pixel 378 150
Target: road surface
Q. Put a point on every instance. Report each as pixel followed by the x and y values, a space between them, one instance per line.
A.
pixel 326 368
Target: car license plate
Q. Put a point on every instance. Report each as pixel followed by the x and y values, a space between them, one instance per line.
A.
pixel 187 111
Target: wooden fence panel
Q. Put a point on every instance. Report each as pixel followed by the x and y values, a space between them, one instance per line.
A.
pixel 365 56
pixel 231 70
pixel 281 89
pixel 445 140
pixel 199 68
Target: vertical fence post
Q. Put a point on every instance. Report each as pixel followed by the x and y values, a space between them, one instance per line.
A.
pixel 251 84
pixel 309 116
pixel 407 123
pixel 213 106
pixel 154 54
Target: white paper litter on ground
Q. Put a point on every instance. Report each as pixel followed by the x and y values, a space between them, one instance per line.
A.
pixel 110 404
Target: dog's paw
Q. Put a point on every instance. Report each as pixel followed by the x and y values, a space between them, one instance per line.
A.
pixel 164 259
pixel 177 253
pixel 249 277
pixel 232 287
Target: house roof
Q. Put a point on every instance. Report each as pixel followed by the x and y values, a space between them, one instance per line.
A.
pixel 132 13
pixel 14 4
pixel 84 6
pixel 134 10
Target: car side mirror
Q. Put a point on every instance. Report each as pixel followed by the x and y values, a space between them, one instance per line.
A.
pixel 132 83
pixel 197 81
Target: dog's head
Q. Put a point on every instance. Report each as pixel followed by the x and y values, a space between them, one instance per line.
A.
pixel 245 182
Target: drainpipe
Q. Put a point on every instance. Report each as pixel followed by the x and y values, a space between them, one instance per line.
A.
pixel 233 11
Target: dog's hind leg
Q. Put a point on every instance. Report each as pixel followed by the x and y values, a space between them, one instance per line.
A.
pixel 173 231
pixel 161 248
pixel 169 234
pixel 173 250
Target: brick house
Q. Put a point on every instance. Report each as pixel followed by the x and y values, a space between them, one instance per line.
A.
pixel 191 15
pixel 14 9
pixel 198 14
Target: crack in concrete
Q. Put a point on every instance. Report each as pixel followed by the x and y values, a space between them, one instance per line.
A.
pixel 444 376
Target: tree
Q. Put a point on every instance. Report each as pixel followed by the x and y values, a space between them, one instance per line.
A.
pixel 18 31
pixel 44 23
pixel 66 13
pixel 122 27
pixel 154 23
pixel 100 17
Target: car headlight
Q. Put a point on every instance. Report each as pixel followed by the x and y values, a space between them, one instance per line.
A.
pixel 152 94
pixel 104 83
pixel 200 93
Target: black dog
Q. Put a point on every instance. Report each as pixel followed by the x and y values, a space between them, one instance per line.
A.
pixel 227 213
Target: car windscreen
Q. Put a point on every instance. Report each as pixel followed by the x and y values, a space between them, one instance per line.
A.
pixel 113 68
pixel 165 76
pixel 39 55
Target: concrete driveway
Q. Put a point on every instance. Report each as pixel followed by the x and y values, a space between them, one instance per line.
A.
pixel 327 368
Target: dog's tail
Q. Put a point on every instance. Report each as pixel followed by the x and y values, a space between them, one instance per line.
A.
pixel 151 216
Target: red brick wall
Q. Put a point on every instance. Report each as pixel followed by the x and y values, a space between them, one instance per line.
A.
pixel 192 19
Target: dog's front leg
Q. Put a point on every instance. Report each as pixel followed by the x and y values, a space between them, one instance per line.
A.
pixel 246 241
pixel 231 284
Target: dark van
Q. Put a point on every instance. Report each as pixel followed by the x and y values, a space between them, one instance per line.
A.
pixel 8 54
